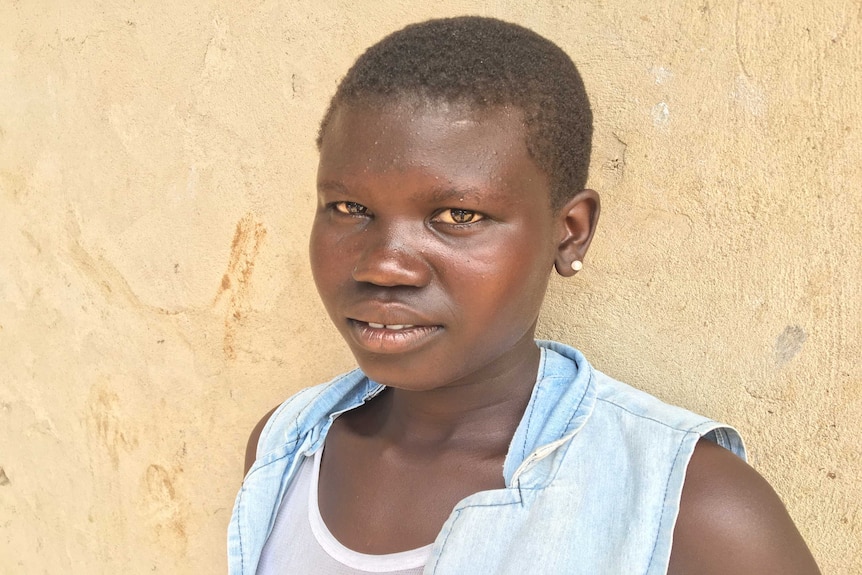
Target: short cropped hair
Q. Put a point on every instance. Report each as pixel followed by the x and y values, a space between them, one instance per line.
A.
pixel 485 62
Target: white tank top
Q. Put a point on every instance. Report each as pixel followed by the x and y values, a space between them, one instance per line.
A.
pixel 300 543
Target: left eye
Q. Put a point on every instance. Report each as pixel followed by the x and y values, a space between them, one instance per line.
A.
pixel 350 208
pixel 457 216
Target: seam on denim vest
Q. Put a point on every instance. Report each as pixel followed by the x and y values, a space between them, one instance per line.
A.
pixel 455 520
pixel 539 378
pixel 271 423
pixel 670 476
pixel 445 539
pixel 650 418
pixel 239 530
pixel 574 413
pixel 722 437
pixel 242 490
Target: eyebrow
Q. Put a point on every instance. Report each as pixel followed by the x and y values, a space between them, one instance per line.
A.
pixel 446 194
pixel 331 185
pixel 435 195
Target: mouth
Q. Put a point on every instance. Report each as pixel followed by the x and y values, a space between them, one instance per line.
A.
pixel 391 338
pixel 395 326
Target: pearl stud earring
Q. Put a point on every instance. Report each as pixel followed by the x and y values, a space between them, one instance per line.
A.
pixel 577 265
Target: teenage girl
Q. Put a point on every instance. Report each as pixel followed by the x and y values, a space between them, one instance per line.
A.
pixel 451 183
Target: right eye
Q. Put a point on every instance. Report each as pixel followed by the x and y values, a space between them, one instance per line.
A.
pixel 350 208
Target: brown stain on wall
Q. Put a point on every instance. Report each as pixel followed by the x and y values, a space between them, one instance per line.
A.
pixel 167 512
pixel 245 247
pixel 105 422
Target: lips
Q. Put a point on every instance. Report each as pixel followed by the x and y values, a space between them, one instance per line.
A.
pixel 393 337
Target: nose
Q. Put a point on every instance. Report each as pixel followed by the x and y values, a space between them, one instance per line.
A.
pixel 391 255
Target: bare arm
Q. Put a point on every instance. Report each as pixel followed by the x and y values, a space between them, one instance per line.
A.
pixel 251 446
pixel 731 522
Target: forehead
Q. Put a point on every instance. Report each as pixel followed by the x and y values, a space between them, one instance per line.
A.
pixel 447 140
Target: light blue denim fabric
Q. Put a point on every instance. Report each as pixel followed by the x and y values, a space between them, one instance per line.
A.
pixel 593 477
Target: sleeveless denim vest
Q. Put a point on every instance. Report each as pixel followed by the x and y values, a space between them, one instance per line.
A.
pixel 593 477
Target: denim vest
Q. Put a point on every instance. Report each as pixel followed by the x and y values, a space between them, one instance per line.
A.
pixel 593 477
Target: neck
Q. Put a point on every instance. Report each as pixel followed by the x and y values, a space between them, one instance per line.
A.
pixel 480 413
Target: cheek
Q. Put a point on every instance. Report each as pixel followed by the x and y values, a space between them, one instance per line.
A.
pixel 526 275
pixel 508 286
pixel 520 293
pixel 326 260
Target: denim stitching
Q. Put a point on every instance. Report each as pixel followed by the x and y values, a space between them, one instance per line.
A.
pixel 455 520
pixel 722 438
pixel 641 416
pixel 443 544
pixel 533 406
pixel 242 490
pixel 583 395
pixel 239 531
pixel 575 414
pixel 664 500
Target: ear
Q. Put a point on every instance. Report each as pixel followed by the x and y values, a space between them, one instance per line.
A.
pixel 577 221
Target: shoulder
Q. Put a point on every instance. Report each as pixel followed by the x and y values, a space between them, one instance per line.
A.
pixel 287 422
pixel 291 409
pixel 731 521
pixel 254 438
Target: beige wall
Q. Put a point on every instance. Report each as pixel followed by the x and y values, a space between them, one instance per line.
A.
pixel 156 185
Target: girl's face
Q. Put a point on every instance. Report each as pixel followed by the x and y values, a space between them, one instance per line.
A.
pixel 433 241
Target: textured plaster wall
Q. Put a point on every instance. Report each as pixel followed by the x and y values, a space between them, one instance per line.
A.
pixel 156 187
